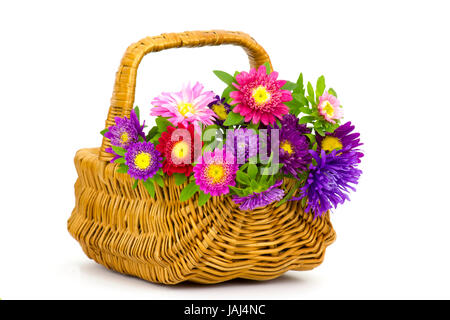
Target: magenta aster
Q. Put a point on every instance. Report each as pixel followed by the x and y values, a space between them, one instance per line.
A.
pixel 143 160
pixel 190 105
pixel 259 96
pixel 214 174
pixel 330 107
pixel 260 199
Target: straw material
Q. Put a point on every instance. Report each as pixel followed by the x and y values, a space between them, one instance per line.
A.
pixel 167 241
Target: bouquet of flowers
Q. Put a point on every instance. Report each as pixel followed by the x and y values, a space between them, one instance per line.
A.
pixel 245 143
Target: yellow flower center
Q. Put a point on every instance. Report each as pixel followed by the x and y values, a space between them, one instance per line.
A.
pixel 143 160
pixel 184 108
pixel 180 149
pixel 124 137
pixel 215 172
pixel 330 143
pixel 220 110
pixel 286 146
pixel 261 95
pixel 328 108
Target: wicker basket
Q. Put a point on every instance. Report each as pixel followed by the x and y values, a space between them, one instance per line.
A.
pixel 167 241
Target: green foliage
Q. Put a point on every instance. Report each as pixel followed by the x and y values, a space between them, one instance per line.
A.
pixel 289 86
pixel 233 119
pixel 332 92
pixel 189 191
pixel 203 198
pixel 119 151
pixel 104 131
pixel 268 67
pixel 135 184
pixel 122 168
pixel 180 178
pixel 162 124
pixel 120 160
pixel 138 113
pixel 150 187
pixel 224 76
pixel 159 180
pixel 152 133
pixel 320 87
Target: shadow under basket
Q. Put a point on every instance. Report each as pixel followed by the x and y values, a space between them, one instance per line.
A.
pixel 167 241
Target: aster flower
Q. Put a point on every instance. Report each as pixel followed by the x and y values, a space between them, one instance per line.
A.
pixel 143 160
pixel 328 183
pixel 214 173
pixel 293 145
pixel 178 153
pixel 242 144
pixel 259 96
pixel 260 199
pixel 220 108
pixel 190 105
pixel 330 107
pixel 341 139
pixel 126 131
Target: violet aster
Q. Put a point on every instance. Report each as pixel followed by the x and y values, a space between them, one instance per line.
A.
pixel 215 172
pixel 126 131
pixel 143 160
pixel 293 145
pixel 220 108
pixel 341 139
pixel 260 199
pixel 242 144
pixel 329 181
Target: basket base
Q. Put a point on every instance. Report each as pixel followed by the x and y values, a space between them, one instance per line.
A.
pixel 162 240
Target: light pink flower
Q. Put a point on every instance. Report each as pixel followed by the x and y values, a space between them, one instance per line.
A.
pixel 330 107
pixel 259 96
pixel 190 105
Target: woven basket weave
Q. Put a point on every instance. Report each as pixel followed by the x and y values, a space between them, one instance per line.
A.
pixel 167 241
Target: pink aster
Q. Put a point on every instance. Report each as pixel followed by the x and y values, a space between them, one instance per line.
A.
pixel 190 105
pixel 330 107
pixel 259 96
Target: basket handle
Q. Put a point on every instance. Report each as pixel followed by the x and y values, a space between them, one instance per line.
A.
pixel 123 95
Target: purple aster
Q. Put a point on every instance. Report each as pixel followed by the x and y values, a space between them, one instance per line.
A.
pixel 126 131
pixel 293 145
pixel 242 144
pixel 143 160
pixel 215 173
pixel 328 183
pixel 341 139
pixel 220 108
pixel 260 199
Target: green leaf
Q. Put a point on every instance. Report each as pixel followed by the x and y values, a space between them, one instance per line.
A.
pixel 320 86
pixel 104 131
pixel 238 191
pixel 310 91
pixel 289 86
pixel 189 191
pixel 150 186
pixel 311 137
pixel 307 119
pixel 180 178
pixel 203 198
pixel 118 150
pixel 300 87
pixel 318 128
pixel 162 124
pixel 311 100
pixel 233 119
pixel 227 91
pixel 153 132
pixel 331 91
pixel 135 184
pixel 300 98
pixel 225 77
pixel 138 113
pixel 120 160
pixel 252 171
pixel 242 178
pixel 254 185
pixel 122 168
pixel 159 180
pixel 268 67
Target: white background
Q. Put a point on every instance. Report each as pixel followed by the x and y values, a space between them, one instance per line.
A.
pixel 388 61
